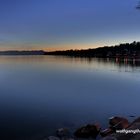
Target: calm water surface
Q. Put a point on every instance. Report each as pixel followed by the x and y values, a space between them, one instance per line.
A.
pixel 39 94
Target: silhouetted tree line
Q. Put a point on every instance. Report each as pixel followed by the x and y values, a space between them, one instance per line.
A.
pixel 126 50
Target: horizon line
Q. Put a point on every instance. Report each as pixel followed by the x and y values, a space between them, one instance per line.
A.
pixel 31 50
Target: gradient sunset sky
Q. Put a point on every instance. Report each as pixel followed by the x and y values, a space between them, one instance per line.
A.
pixel 67 24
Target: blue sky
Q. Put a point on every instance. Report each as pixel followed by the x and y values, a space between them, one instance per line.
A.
pixel 65 24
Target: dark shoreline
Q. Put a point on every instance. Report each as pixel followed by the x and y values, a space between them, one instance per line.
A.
pixel 121 51
pixel 119 128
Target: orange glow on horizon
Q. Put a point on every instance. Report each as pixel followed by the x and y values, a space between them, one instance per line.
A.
pixel 47 47
pixel 58 47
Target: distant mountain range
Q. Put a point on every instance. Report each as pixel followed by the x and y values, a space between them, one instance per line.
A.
pixel 40 52
pixel 126 50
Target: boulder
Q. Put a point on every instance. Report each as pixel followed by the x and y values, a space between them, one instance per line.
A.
pixel 109 138
pixel 117 123
pixel 135 125
pixel 87 131
pixel 62 132
pixel 53 138
pixel 106 132
pixel 56 138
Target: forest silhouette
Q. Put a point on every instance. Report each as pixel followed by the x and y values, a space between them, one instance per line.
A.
pixel 126 50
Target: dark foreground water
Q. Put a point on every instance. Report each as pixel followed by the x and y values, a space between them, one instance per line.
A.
pixel 39 94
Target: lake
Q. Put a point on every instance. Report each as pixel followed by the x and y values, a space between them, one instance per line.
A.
pixel 39 94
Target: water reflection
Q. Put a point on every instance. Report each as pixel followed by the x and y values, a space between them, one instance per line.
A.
pixel 104 63
pixel 67 59
pixel 39 94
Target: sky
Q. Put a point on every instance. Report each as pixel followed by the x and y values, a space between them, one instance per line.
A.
pixel 67 24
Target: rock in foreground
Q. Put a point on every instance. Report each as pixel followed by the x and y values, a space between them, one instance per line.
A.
pixel 135 125
pixel 87 131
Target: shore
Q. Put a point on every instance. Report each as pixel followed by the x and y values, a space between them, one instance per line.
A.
pixel 119 128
